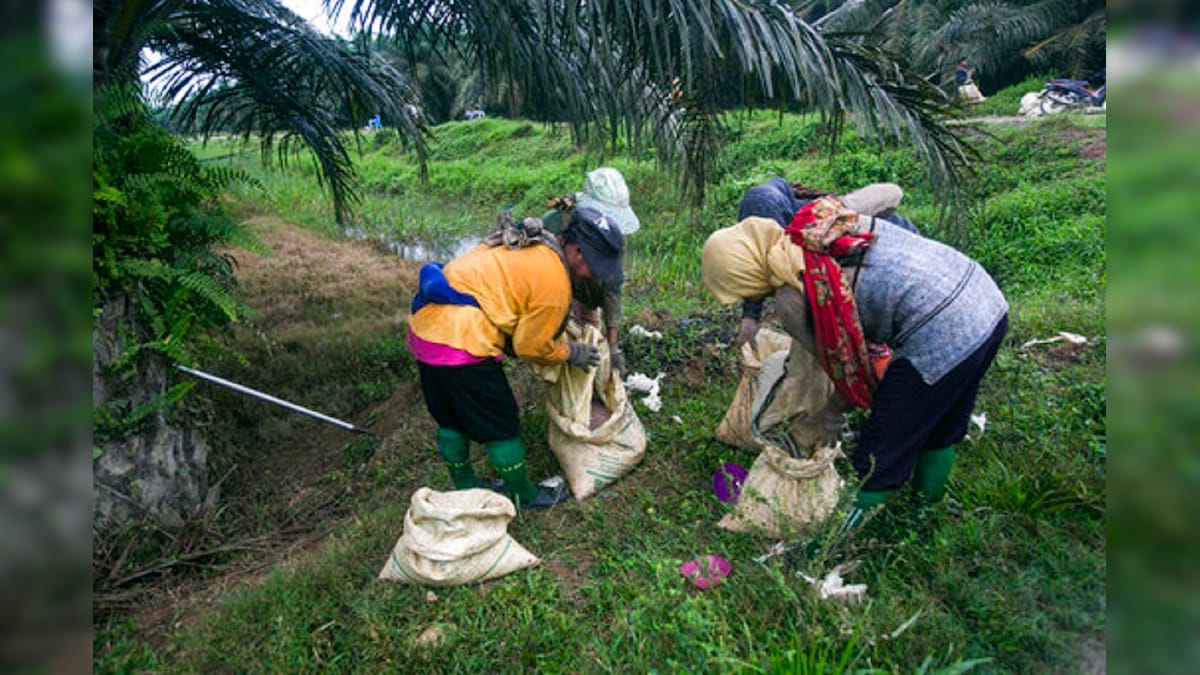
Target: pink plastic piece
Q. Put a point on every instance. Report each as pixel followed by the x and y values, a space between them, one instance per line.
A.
pixel 707 571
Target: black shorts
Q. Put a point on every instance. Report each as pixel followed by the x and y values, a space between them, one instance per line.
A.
pixel 474 400
pixel 909 416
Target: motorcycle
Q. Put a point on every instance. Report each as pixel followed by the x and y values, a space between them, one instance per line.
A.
pixel 1062 94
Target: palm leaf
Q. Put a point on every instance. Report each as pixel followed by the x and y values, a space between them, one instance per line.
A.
pixel 254 68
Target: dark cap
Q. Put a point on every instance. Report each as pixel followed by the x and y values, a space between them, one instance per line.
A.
pixel 602 244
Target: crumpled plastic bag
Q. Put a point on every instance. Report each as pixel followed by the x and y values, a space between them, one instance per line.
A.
pixel 833 586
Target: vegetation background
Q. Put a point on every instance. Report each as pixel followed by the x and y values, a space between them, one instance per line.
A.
pixel 1009 576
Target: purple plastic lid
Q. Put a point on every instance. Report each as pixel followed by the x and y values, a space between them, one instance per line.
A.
pixel 727 482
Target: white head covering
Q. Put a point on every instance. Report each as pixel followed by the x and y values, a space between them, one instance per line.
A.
pixel 605 191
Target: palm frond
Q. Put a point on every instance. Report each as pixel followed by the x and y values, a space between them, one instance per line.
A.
pixel 120 31
pixel 1078 37
pixel 256 69
pixel 997 35
pixel 595 61
pixel 890 105
pixel 985 32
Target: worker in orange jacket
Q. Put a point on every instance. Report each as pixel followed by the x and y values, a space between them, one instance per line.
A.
pixel 510 294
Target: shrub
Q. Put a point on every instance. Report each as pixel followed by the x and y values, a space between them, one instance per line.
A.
pixel 157 224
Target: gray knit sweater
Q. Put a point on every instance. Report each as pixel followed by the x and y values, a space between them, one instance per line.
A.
pixel 927 301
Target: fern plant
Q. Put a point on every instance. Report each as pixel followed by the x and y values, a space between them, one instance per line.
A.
pixel 158 238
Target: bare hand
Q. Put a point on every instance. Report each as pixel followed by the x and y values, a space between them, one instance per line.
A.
pixel 746 332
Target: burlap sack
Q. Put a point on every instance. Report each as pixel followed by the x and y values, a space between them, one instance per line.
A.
pixel 456 538
pixel 591 452
pixel 783 494
pixel 793 482
pixel 795 407
pixel 734 428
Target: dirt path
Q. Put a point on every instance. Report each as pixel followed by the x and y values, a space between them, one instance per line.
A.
pixel 359 285
pixel 321 307
pixel 1000 119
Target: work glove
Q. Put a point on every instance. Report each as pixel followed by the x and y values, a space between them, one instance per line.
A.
pixel 583 355
pixel 746 332
pixel 616 358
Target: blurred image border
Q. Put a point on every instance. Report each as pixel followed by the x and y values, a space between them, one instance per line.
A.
pixel 45 465
pixel 1153 244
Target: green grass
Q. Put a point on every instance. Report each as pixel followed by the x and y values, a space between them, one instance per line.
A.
pixel 1007 577
pixel 1014 573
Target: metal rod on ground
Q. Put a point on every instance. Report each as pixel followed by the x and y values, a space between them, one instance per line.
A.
pixel 271 399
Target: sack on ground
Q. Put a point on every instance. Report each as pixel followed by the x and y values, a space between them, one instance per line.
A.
pixel 456 538
pixel 969 93
pixel 734 428
pixel 594 432
pixel 795 418
pixel 1031 104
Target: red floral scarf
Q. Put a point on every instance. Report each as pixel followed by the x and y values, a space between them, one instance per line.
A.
pixel 825 228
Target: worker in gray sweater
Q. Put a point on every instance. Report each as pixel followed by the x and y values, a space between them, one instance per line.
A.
pixel 874 282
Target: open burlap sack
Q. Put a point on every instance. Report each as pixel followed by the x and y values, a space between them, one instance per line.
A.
pixel 782 493
pixel 594 432
pixel 794 417
pixel 795 406
pixel 734 428
pixel 456 538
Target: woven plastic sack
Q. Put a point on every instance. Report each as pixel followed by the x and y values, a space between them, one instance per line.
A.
pixel 734 428
pixel 594 432
pixel 969 93
pixel 456 538
pixel 793 483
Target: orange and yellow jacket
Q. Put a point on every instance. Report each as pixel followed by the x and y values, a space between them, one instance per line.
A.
pixel 523 294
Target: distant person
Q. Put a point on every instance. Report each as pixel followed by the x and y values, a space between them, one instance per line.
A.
pixel 964 83
pixel 604 192
pixel 510 294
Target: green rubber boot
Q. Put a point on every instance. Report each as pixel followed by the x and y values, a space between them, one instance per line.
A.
pixel 508 458
pixel 864 502
pixel 933 472
pixel 456 450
